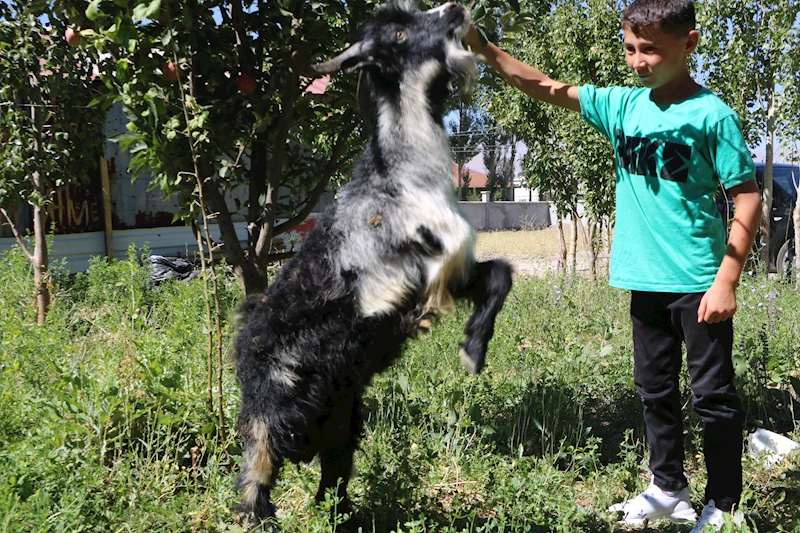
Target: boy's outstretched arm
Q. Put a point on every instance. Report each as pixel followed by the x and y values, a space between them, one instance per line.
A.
pixel 719 302
pixel 524 77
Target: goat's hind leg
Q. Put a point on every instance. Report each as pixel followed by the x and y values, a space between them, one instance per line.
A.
pixel 341 433
pixel 260 469
pixel 487 287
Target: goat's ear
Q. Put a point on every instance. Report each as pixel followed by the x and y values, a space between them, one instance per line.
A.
pixel 357 56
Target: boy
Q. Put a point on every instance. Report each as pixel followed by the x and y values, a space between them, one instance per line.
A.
pixel 674 142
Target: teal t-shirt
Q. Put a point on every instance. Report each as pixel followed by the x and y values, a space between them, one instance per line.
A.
pixel 668 234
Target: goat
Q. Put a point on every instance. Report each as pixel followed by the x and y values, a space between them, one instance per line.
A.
pixel 391 253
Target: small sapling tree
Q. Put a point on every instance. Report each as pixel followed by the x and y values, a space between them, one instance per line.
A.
pixel 50 137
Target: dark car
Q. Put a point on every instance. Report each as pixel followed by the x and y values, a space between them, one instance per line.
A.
pixel 781 230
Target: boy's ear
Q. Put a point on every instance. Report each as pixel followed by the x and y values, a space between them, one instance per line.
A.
pixel 692 39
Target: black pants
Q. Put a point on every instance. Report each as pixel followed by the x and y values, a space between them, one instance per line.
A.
pixel 661 322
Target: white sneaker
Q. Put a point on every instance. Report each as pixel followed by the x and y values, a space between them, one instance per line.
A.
pixel 654 504
pixel 711 517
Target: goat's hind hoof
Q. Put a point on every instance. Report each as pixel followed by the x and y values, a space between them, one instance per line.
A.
pixel 252 523
pixel 425 323
pixel 255 525
pixel 473 362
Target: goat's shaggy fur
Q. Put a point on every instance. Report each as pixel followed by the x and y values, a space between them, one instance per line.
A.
pixel 392 252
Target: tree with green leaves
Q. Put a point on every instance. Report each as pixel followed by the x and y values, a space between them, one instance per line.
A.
pixel 50 137
pixel 499 155
pixel 220 113
pixel 790 133
pixel 466 133
pixel 576 42
pixel 749 55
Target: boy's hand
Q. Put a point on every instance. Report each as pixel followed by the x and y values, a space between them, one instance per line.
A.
pixel 473 39
pixel 718 304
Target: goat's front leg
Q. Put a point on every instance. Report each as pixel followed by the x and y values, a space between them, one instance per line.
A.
pixel 487 287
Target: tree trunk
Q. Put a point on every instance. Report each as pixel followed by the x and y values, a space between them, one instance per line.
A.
pixel 266 226
pixel 592 251
pixel 254 279
pixel 608 247
pixel 766 188
pixel 587 239
pixel 40 264
pixel 574 244
pixel 562 241
pixel 459 183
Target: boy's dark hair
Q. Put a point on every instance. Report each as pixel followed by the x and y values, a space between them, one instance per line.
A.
pixel 672 16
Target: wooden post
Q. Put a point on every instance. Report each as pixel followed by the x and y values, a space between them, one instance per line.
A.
pixel 107 226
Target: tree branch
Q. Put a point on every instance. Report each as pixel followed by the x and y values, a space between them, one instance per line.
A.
pixel 288 98
pixel 330 168
pixel 17 236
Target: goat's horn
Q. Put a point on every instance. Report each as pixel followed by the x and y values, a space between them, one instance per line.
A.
pixel 354 57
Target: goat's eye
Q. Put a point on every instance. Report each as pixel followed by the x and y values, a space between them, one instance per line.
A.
pixel 400 36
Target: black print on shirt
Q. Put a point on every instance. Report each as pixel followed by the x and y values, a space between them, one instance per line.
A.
pixel 637 155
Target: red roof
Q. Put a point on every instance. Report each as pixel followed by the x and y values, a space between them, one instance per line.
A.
pixel 319 85
pixel 476 179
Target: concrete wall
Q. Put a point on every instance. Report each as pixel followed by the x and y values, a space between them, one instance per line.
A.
pixel 507 215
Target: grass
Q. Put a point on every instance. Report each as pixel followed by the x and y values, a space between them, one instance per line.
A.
pixel 105 422
pixel 542 242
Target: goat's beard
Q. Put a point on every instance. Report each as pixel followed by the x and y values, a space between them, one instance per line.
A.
pixel 462 66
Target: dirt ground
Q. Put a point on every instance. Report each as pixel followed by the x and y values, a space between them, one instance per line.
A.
pixel 534 253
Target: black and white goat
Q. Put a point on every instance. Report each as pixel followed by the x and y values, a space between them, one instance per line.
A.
pixel 392 252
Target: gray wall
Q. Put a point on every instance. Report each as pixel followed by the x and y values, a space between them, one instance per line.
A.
pixel 507 215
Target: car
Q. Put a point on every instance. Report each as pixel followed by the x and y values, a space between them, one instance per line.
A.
pixel 781 229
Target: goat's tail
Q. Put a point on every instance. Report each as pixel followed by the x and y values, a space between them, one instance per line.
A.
pixel 259 467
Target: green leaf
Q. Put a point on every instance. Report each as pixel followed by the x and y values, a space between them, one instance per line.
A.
pixel 93 10
pixel 146 11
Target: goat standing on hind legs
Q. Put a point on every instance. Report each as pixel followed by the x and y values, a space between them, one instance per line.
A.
pixel 393 251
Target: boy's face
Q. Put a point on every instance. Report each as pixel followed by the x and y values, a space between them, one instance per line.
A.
pixel 657 57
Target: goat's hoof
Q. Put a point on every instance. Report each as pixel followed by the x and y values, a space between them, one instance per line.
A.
pixel 254 524
pixel 473 364
pixel 425 324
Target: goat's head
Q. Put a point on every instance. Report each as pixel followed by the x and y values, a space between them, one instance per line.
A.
pixel 402 43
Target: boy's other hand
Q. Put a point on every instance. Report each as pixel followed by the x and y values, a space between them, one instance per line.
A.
pixel 717 305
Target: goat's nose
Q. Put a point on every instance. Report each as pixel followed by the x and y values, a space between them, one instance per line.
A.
pixel 444 9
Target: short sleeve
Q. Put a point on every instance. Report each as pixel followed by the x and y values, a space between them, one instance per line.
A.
pixel 730 156
pixel 600 108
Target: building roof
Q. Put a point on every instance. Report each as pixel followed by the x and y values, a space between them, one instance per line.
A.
pixel 476 179
pixel 319 85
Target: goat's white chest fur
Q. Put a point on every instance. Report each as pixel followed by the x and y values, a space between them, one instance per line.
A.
pixel 387 279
